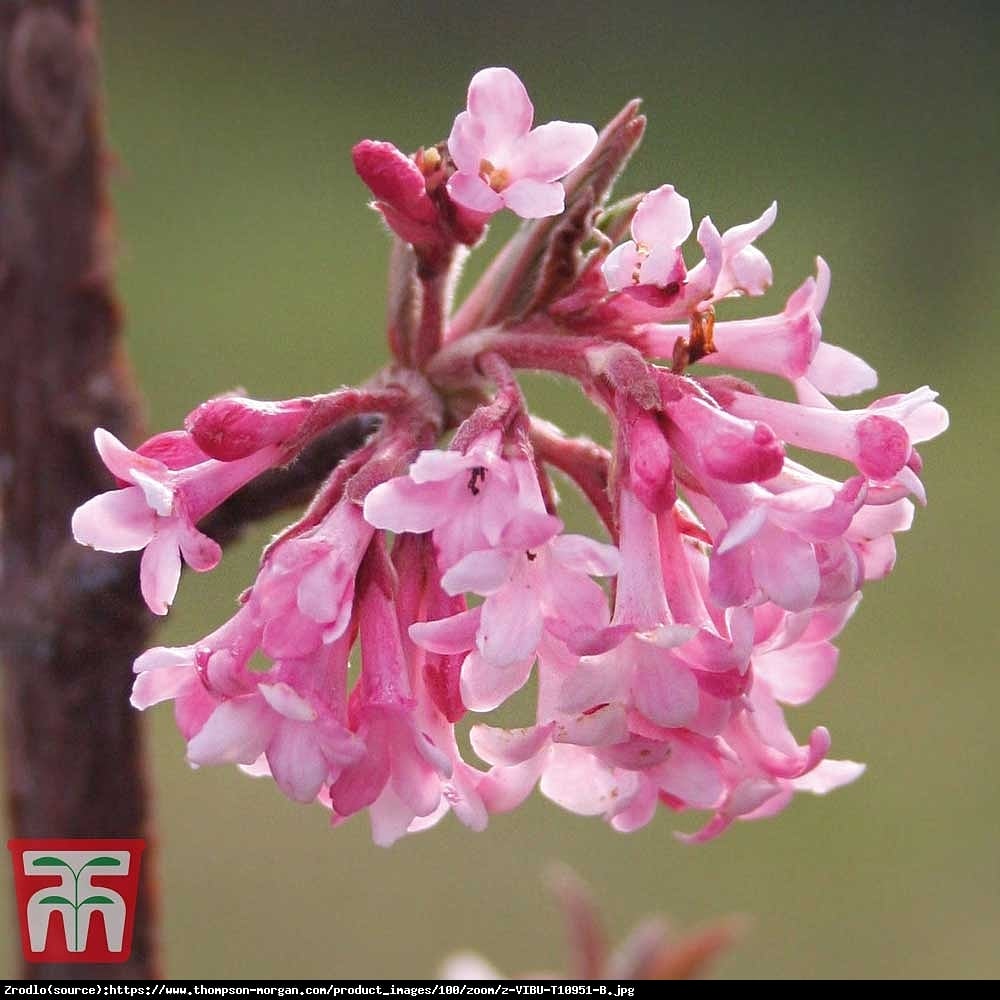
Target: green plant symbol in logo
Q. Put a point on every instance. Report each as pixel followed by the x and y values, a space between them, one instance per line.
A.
pixel 76 902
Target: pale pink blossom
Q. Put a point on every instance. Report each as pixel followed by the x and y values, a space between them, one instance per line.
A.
pixel 399 777
pixel 467 499
pixel 764 766
pixel 304 593
pixel 788 344
pixel 501 160
pixel 732 264
pixel 878 440
pixel 534 580
pixel 653 256
pixel 290 718
pixel 158 510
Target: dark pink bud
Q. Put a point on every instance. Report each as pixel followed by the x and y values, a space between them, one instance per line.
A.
pixel 232 427
pixel 736 456
pixel 883 447
pixel 400 191
pixel 650 474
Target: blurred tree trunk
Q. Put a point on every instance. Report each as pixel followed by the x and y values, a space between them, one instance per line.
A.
pixel 71 620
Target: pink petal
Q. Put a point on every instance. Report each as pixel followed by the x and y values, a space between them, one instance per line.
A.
pixel 361 784
pixel 403 505
pixel 749 273
pixel 784 567
pixel 731 577
pixel 121 461
pixel 664 266
pixel 595 681
pixel 390 818
pixel 579 782
pixel 551 151
pixel 297 762
pixel 237 732
pixel 153 686
pixel 434 465
pixel 326 594
pixel 505 788
pixel 839 373
pixel 414 781
pixel 485 686
pixel 927 422
pixel 287 702
pixel 499 101
pixel 160 572
pixel 663 216
pixel 467 143
pixel 603 727
pixel 577 552
pixel 158 495
pixel 200 552
pixel 509 746
pixel 692 775
pixel 575 607
pixel 456 634
pixel 511 625
pixel 797 674
pixel 639 812
pixel 472 192
pixel 479 572
pixel 666 692
pixel 529 530
pixel 828 775
pixel 637 753
pixel 117 521
pixel 163 658
pixel 533 199
pixel 738 237
pixel 621 267
pixel 742 529
pixel 462 796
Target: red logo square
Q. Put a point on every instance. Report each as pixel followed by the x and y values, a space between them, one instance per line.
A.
pixel 76 898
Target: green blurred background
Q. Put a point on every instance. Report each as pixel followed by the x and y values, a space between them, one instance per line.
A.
pixel 248 257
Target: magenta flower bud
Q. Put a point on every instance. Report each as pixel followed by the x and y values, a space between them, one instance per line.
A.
pixel 400 191
pixel 233 427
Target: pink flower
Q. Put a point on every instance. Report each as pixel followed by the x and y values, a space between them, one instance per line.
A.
pixel 304 594
pixel 661 224
pixel 765 766
pixel 533 582
pixel 399 777
pixel 467 499
pixel 501 160
pixel 290 721
pixel 158 512
pixel 878 440
pixel 530 592
pixel 732 264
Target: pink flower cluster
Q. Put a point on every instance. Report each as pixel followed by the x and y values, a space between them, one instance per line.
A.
pixel 662 658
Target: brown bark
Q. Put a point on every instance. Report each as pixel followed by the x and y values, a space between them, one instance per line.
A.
pixel 72 620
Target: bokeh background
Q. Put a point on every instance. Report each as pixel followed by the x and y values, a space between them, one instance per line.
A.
pixel 248 258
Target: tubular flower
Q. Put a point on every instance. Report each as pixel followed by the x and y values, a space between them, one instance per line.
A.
pixel 666 654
